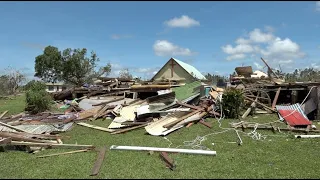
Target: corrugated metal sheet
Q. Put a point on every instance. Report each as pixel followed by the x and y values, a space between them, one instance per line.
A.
pixel 190 69
pixel 291 107
pixel 40 129
pixel 294 118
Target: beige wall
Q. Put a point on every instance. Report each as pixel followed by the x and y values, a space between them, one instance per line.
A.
pixel 178 73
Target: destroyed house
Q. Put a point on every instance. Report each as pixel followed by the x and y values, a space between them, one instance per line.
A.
pixel 55 87
pixel 175 70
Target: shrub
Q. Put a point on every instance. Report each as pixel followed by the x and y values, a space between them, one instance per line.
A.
pixel 37 99
pixel 232 101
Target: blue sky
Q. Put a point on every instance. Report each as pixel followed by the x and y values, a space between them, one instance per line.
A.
pixel 214 37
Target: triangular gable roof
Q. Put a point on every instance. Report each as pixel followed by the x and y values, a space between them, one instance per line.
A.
pixel 187 67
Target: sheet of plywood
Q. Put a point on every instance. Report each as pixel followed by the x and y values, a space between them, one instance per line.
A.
pixel 89 113
pixel 156 128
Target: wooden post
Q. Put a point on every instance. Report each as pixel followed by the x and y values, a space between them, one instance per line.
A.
pixel 294 97
pixel 172 64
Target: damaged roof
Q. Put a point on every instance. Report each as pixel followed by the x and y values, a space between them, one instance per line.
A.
pixel 190 69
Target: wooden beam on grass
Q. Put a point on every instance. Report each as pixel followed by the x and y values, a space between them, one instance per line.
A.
pixel 4 113
pixel 52 145
pixel 95 127
pixel 129 129
pixel 99 161
pixel 69 152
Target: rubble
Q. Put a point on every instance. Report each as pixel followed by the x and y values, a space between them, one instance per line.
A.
pixel 168 108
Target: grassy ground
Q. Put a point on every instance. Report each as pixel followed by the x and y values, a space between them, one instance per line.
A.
pixel 278 156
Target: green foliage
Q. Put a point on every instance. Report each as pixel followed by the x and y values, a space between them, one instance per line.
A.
pixel 308 74
pixel 70 65
pixel 216 79
pixel 37 99
pixel 232 100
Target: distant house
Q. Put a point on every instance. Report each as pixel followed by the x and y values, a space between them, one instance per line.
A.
pixel 176 70
pixel 55 87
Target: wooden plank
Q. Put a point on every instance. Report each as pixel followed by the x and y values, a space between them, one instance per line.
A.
pixel 4 113
pixel 129 129
pixel 182 118
pixel 274 103
pixel 170 163
pixel 189 106
pixel 99 161
pixel 205 123
pixel 100 112
pixel 17 137
pixel 51 145
pixel 69 119
pixel 190 124
pixel 57 154
pixel 95 127
pixel 261 104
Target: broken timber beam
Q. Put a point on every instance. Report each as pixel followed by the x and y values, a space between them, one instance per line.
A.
pixel 69 152
pixel 99 161
pixel 95 127
pixel 252 100
pixel 129 129
pixel 274 103
pixel 181 119
pixel 205 123
pixel 170 163
pixel 4 113
pixel 189 106
pixel 52 145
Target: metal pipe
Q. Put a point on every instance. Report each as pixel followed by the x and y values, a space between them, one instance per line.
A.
pixel 307 136
pixel 173 150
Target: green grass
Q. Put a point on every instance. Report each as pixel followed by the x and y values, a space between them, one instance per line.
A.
pixel 278 156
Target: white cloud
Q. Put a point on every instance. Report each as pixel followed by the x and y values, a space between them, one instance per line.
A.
pixel 118 36
pixel 269 29
pixel 318 6
pixel 258 66
pixel 242 41
pixel 266 45
pixel 182 22
pixel 240 48
pixel 257 36
pixel 285 61
pixel 166 48
pixel 236 56
pixel 154 72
